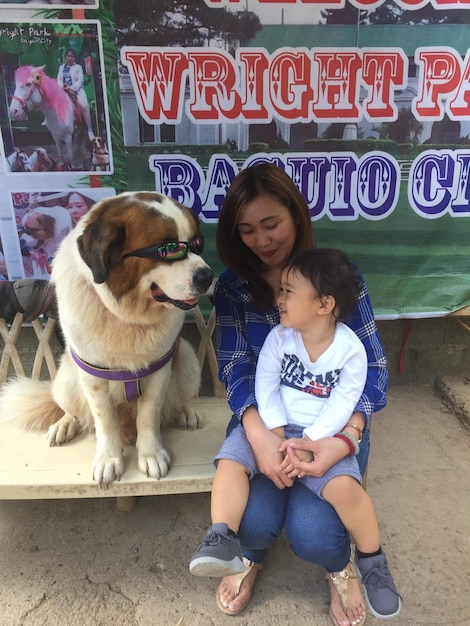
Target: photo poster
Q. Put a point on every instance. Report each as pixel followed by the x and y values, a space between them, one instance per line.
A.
pixel 53 99
pixel 33 224
pixel 365 104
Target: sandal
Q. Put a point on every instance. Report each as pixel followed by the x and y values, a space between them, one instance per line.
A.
pixel 340 581
pixel 239 578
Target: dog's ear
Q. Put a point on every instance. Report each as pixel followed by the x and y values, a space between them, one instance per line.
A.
pixel 101 246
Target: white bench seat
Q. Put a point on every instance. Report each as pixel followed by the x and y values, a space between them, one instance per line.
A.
pixel 31 469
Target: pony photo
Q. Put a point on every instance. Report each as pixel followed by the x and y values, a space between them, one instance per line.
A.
pixel 53 96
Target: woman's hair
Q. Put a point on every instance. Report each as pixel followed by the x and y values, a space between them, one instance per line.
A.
pixel 264 178
pixel 331 273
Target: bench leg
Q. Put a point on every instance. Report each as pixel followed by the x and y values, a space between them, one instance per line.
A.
pixel 126 503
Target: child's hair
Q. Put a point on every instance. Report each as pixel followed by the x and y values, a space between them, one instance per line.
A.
pixel 332 274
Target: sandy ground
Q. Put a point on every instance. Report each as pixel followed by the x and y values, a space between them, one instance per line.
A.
pixel 86 563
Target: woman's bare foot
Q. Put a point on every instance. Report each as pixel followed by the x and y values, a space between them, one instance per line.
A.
pixel 234 592
pixel 356 607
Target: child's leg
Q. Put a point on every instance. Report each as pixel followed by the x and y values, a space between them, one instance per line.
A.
pixel 230 491
pixel 220 552
pixel 356 511
pixel 355 508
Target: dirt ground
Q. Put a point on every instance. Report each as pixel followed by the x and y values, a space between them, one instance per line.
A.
pixel 86 563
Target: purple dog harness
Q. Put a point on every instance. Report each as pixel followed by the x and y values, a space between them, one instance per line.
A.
pixel 131 379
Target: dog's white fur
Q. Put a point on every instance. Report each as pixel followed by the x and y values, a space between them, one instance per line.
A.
pixel 111 320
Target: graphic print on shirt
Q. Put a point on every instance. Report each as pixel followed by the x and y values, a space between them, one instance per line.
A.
pixel 295 375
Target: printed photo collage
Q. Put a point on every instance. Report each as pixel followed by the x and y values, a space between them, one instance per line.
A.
pixel 55 133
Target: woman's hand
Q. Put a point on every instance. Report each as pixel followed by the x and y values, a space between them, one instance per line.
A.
pixel 326 453
pixel 265 444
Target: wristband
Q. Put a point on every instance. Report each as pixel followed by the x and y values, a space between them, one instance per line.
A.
pixel 351 441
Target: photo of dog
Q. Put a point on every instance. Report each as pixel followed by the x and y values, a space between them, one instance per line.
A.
pixel 100 155
pixel 45 227
pixel 123 277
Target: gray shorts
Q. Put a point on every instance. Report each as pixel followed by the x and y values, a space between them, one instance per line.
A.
pixel 236 448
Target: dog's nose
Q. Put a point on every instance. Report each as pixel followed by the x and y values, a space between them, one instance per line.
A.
pixel 202 279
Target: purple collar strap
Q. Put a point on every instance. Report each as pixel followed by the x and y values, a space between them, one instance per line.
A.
pixel 131 379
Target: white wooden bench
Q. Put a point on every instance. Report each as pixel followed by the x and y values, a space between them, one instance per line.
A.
pixel 30 469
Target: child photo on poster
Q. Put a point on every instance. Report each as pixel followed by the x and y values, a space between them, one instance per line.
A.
pixel 53 107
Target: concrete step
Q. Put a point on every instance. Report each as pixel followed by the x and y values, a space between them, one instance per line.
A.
pixel 455 394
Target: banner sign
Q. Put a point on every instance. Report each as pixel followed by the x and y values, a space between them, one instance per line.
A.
pixel 365 104
pixel 294 85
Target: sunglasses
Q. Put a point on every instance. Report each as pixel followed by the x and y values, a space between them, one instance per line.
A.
pixel 172 251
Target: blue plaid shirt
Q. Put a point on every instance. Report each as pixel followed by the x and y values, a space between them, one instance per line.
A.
pixel 241 331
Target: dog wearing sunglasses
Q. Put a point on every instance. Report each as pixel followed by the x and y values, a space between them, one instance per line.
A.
pixel 123 278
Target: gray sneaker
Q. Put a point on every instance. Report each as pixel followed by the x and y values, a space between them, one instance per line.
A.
pixel 381 591
pixel 218 555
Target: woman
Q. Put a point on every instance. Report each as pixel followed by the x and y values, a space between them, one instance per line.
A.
pixel 70 79
pixel 78 205
pixel 264 221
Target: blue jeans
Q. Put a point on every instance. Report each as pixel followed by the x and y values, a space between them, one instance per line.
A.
pixel 313 529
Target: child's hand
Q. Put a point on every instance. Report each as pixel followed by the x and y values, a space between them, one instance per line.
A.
pixel 287 466
pixel 300 455
pixel 304 455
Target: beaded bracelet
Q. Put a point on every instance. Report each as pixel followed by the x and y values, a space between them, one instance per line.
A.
pixel 351 441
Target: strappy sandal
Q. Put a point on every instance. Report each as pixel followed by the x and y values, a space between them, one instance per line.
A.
pixel 249 565
pixel 340 581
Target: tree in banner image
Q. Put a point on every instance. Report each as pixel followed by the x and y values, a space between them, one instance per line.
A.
pixel 180 23
pixel 405 129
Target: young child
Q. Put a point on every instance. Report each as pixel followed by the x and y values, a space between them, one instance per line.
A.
pixel 310 376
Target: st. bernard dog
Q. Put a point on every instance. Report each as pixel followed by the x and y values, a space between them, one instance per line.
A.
pixel 123 279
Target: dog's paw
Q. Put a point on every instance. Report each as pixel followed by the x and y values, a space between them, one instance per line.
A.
pixel 189 418
pixel 155 465
pixel 107 469
pixel 62 431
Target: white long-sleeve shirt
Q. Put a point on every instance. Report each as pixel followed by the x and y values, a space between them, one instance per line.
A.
pixel 319 396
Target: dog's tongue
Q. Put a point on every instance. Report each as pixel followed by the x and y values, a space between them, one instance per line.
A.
pixel 192 301
pixel 160 296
